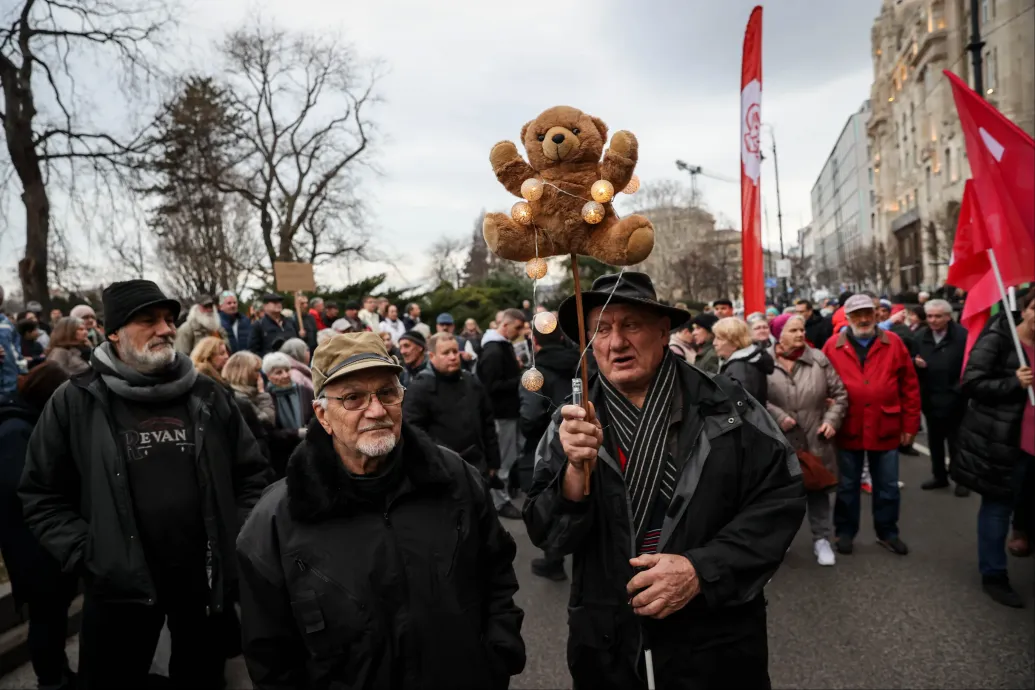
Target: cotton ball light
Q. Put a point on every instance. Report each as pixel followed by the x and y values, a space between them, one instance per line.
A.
pixel 545 322
pixel 593 212
pixel 521 212
pixel 634 184
pixel 532 380
pixel 602 191
pixel 532 189
pixel 535 268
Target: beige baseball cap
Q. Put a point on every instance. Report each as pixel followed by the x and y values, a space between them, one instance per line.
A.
pixel 346 354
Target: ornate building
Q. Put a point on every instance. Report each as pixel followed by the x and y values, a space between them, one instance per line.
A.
pixel 918 155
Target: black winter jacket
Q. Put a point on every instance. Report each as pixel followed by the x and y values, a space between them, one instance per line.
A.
pixel 940 393
pixel 559 365
pixel 739 500
pixel 455 412
pixel 77 498
pixel 266 333
pixel 751 367
pixel 990 434
pixel 416 593
pixel 818 330
pixel 500 373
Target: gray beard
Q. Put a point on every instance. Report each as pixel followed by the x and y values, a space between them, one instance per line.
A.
pixel 208 321
pixel 146 360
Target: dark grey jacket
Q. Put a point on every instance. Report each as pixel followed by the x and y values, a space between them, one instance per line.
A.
pixel 77 499
pixel 739 500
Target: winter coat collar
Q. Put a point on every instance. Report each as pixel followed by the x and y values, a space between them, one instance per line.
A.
pixel 317 482
pixel 842 337
pixel 952 332
pixel 492 336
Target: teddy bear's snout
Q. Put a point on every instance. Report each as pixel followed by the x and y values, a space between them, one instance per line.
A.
pixel 558 138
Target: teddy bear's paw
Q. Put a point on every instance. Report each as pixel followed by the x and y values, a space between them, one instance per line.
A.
pixel 502 153
pixel 640 244
pixel 623 143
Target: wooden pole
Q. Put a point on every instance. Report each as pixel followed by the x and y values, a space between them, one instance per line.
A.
pixel 582 349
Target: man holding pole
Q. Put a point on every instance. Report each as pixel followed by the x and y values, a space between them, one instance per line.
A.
pixel 678 528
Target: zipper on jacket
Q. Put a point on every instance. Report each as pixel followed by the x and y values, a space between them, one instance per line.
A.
pixel 456 546
pixel 306 568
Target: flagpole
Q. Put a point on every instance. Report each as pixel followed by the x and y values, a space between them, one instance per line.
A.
pixel 1009 316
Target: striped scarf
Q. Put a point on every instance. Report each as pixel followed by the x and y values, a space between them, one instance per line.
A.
pixel 643 437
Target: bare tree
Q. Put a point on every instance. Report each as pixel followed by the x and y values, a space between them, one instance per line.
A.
pixel 304 136
pixel 941 235
pixel 448 260
pixel 49 134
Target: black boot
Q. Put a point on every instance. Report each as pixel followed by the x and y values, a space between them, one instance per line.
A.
pixel 998 587
pixel 935 483
pixel 908 450
pixel 549 568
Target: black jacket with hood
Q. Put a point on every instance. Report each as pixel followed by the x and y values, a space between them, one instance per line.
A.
pixel 750 367
pixel 412 588
pixel 738 502
pixel 818 329
pixel 559 365
pixel 500 373
pixel 76 493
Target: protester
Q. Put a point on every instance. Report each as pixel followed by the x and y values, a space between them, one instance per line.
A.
pixel 272 330
pixel 808 401
pixel 85 312
pixel 559 364
pixel 393 351
pixel 209 357
pixel 9 347
pixel 818 328
pixel 29 334
pixel 473 335
pixel 307 325
pixel 916 318
pixel 922 297
pixel 412 316
pixel 500 373
pixel 939 353
pixel 202 322
pixel 107 493
pixel 723 308
pixel 236 325
pixel 393 324
pixel 706 359
pixel 771 312
pixel 293 405
pixel 741 359
pixel 452 407
pixel 413 349
pixel 298 351
pixel 681 342
pixel 243 373
pixel 69 346
pixel 693 593
pixel 31 313
pixel 997 442
pixel 36 578
pixel 352 316
pixel 883 413
pixel 761 334
pixel 427 599
pixel 316 311
pixel 369 315
pixel 342 325
pixel 330 313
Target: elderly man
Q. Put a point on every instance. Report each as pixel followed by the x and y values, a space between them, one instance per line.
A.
pixel 940 349
pixel 317 310
pixel 413 349
pixel 272 330
pixel 452 407
pixel 202 322
pixel 237 326
pixel 694 499
pixel 883 412
pixel 138 477
pixel 379 562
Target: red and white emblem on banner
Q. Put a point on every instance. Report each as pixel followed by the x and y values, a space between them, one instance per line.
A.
pixel 750 145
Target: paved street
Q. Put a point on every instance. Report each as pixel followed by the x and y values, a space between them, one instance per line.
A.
pixel 874 621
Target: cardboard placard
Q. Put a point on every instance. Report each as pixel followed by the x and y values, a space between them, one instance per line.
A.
pixel 292 276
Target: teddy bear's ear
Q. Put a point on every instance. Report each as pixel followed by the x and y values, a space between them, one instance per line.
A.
pixel 601 127
pixel 524 130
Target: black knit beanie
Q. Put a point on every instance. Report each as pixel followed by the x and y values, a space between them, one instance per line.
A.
pixel 416 338
pixel 124 299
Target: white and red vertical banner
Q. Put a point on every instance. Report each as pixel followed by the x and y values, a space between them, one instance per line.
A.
pixel 751 165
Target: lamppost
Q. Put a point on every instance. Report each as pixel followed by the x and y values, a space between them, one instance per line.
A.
pixel 779 210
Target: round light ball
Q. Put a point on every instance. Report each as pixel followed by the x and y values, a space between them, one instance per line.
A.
pixel 634 184
pixel 532 189
pixel 535 268
pixel 521 212
pixel 532 380
pixel 593 212
pixel 602 191
pixel 545 322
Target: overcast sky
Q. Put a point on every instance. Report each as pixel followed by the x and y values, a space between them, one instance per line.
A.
pixel 464 75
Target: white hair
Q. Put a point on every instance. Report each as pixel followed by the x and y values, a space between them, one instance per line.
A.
pixel 296 348
pixel 275 360
pixel 325 335
pixel 937 304
pixel 756 316
pixel 316 301
pixel 207 319
pixel 923 293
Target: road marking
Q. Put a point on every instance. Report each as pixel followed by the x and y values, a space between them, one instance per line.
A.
pixel 924 450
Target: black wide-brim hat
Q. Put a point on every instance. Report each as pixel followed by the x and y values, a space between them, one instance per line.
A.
pixel 628 287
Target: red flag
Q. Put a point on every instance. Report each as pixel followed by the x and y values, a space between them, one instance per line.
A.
pixel 751 165
pixel 969 261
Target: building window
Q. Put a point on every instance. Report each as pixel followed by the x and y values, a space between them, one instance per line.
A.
pixel 916 198
pixel 927 184
pixel 948 161
pixel 871 175
pixel 936 19
pixel 991 71
pixel 986 11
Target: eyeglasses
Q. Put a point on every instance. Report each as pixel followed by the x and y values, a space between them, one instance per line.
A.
pixel 389 396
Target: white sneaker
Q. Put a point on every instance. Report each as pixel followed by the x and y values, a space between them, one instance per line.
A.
pixel 824 554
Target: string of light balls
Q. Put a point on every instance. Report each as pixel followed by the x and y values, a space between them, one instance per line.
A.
pixel 601 191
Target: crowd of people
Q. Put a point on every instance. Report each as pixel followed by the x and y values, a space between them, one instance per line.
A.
pixel 138 456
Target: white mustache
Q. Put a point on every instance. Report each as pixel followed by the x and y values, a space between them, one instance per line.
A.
pixel 376 428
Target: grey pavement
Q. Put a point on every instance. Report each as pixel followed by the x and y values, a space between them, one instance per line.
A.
pixel 875 620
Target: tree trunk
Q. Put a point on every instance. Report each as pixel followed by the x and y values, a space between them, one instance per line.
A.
pixel 32 269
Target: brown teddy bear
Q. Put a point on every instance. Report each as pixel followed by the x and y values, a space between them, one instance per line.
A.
pixel 564 146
